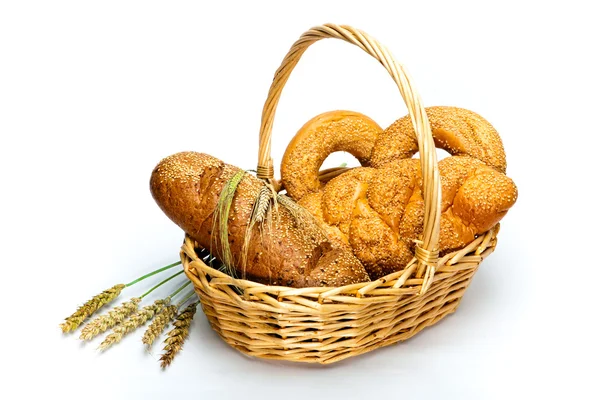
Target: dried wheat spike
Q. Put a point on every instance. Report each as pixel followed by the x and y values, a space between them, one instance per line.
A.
pixel 303 219
pixel 261 205
pixel 90 307
pixel 135 321
pixel 107 321
pixel 158 325
pixel 176 337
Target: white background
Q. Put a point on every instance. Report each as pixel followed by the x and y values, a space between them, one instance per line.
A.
pixel 94 94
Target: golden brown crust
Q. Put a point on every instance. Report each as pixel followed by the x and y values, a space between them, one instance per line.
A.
pixel 374 243
pixel 313 203
pixel 327 133
pixel 391 189
pixel 457 130
pixel 341 194
pixel 379 210
pixel 187 186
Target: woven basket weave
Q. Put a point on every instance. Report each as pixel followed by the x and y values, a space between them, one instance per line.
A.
pixel 328 324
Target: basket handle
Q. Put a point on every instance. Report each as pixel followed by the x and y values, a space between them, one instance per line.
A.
pixel 426 251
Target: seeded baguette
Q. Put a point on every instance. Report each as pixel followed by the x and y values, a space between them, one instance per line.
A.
pixel 186 186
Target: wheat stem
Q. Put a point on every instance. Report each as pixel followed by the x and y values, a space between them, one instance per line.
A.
pixel 221 219
pixel 161 283
pixel 176 292
pixel 186 298
pixel 148 275
pixel 259 212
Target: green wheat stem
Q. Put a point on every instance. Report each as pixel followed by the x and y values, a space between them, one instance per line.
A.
pixel 179 289
pixel 160 284
pixel 186 298
pixel 148 275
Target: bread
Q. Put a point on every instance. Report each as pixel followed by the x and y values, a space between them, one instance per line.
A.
pixel 327 133
pixel 378 210
pixel 456 130
pixel 387 215
pixel 187 186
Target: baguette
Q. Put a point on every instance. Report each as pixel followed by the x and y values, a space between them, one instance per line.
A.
pixel 187 187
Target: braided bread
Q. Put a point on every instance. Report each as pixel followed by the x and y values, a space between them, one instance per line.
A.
pixel 320 137
pixel 377 211
pixel 456 130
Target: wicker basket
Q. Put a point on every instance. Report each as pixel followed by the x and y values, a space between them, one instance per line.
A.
pixel 328 324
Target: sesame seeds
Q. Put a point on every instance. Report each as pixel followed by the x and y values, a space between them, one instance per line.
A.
pixel 457 130
pixel 187 187
pixel 370 215
pixel 380 211
pixel 327 133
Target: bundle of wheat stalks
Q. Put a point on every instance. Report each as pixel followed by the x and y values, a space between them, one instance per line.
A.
pixel 127 317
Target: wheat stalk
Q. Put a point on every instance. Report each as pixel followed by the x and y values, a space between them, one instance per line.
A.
pixel 164 317
pixel 221 219
pixel 176 337
pixel 261 205
pixel 260 209
pixel 302 217
pixel 135 321
pixel 106 321
pixel 90 307
pixel 158 325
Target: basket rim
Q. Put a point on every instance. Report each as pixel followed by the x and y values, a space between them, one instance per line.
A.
pixel 398 284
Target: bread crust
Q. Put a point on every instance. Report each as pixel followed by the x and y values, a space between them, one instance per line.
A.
pixel 187 186
pixel 326 133
pixel 457 130
pixel 379 210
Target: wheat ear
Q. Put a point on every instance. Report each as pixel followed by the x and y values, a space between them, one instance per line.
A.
pixel 261 205
pixel 114 317
pixel 132 323
pixel 158 325
pixel 176 337
pixel 95 303
pixel 90 307
pixel 221 220
pixel 260 209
